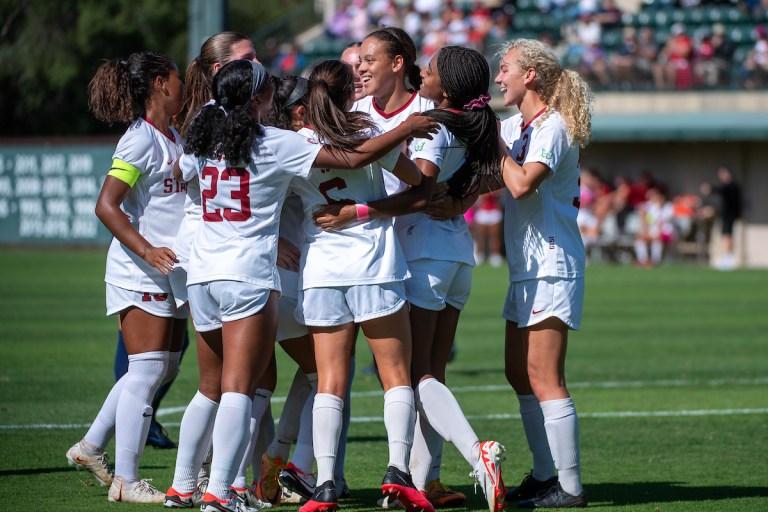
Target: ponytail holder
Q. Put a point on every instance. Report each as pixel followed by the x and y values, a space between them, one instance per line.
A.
pixel 480 102
pixel 197 60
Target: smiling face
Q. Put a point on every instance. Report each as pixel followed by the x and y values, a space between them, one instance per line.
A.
pixel 512 78
pixel 431 87
pixel 377 70
pixel 351 56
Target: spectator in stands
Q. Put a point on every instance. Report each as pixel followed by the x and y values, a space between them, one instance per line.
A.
pixel 656 228
pixel 623 61
pixel 730 210
pixel 722 54
pixel 673 64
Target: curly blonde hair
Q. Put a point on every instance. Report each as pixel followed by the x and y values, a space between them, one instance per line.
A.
pixel 561 89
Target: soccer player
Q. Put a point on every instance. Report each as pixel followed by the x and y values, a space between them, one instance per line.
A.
pixel 244 170
pixel 142 206
pixel 440 261
pixel 546 259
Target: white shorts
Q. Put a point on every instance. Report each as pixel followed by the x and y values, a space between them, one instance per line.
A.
pixel 324 307
pixel 434 283
pixel 488 217
pixel 178 281
pixel 215 302
pixel 531 301
pixel 287 326
pixel 158 304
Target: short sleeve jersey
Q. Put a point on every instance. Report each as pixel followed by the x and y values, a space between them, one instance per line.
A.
pixel 364 253
pixel 193 208
pixel 291 219
pixel 540 232
pixel 154 205
pixel 388 121
pixel 422 237
pixel 237 240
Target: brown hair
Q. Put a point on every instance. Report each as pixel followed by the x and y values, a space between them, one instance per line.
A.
pixel 121 88
pixel 331 87
pixel 199 74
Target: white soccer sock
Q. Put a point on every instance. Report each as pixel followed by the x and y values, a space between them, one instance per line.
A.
pixel 536 434
pixel 346 414
pixel 426 443
pixel 230 437
pixel 641 250
pixel 103 427
pixel 194 440
pixel 134 412
pixel 259 404
pixel 326 428
pixel 400 422
pixel 440 407
pixel 303 454
pixel 288 426
pixel 657 250
pixel 174 361
pixel 265 437
pixel 563 434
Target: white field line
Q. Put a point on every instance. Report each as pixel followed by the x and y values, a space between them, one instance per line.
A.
pixel 496 388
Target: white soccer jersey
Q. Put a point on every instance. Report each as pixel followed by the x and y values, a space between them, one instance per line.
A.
pixel 422 237
pixel 237 240
pixel 193 209
pixel 388 121
pixel 366 253
pixel 291 219
pixel 155 205
pixel 541 234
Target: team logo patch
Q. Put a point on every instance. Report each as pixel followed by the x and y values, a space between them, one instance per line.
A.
pixel 419 146
pixel 313 141
pixel 546 154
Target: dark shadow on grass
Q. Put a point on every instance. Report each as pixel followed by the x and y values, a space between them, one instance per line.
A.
pixel 640 493
pixel 366 439
pixel 473 372
pixel 65 469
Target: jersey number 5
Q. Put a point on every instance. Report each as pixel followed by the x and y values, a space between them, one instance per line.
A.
pixel 337 183
pixel 243 212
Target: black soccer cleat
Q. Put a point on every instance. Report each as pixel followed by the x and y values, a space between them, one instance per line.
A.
pixel 555 497
pixel 529 488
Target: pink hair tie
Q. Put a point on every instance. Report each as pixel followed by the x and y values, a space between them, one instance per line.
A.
pixel 478 102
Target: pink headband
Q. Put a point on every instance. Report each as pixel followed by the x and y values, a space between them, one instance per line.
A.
pixel 478 102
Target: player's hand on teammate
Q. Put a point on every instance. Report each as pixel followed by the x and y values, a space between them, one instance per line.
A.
pixel 330 217
pixel 421 126
pixel 162 258
pixel 442 205
pixel 288 256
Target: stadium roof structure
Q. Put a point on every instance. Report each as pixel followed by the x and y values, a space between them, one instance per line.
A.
pixel 674 127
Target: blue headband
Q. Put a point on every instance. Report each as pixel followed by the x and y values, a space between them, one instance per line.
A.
pixel 259 77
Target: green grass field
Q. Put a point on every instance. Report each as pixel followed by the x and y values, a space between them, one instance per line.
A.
pixel 669 375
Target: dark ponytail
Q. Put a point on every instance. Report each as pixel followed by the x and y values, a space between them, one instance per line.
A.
pixel 465 77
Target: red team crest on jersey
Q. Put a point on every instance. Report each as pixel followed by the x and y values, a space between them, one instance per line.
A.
pixel 312 140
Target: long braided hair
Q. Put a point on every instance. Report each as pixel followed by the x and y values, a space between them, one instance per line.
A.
pixel 465 77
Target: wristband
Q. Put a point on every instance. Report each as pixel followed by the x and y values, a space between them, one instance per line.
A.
pixel 362 212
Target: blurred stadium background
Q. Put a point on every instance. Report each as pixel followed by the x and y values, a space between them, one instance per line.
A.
pixel 695 100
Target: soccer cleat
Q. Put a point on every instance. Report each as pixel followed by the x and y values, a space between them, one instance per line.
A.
pixel 296 480
pixel 136 492
pixel 158 437
pixel 200 490
pixel 388 503
pixel 292 498
pixel 98 465
pixel 247 497
pixel 398 485
pixel 323 500
pixel 175 499
pixel 555 497
pixel 342 489
pixel 529 488
pixel 212 504
pixel 488 474
pixel 441 496
pixel 268 488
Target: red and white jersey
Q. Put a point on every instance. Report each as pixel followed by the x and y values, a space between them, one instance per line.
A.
pixel 291 220
pixel 422 237
pixel 365 253
pixel 154 205
pixel 237 240
pixel 541 235
pixel 388 121
pixel 193 208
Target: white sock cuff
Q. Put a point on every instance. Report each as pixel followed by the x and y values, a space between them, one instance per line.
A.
pixel 557 409
pixel 402 394
pixel 327 401
pixel 422 386
pixel 160 355
pixel 203 402
pixel 237 401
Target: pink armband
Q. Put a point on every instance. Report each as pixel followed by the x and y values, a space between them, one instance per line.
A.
pixel 362 212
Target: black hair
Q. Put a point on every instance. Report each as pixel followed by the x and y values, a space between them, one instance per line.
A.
pixel 227 128
pixel 465 76
pixel 288 96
